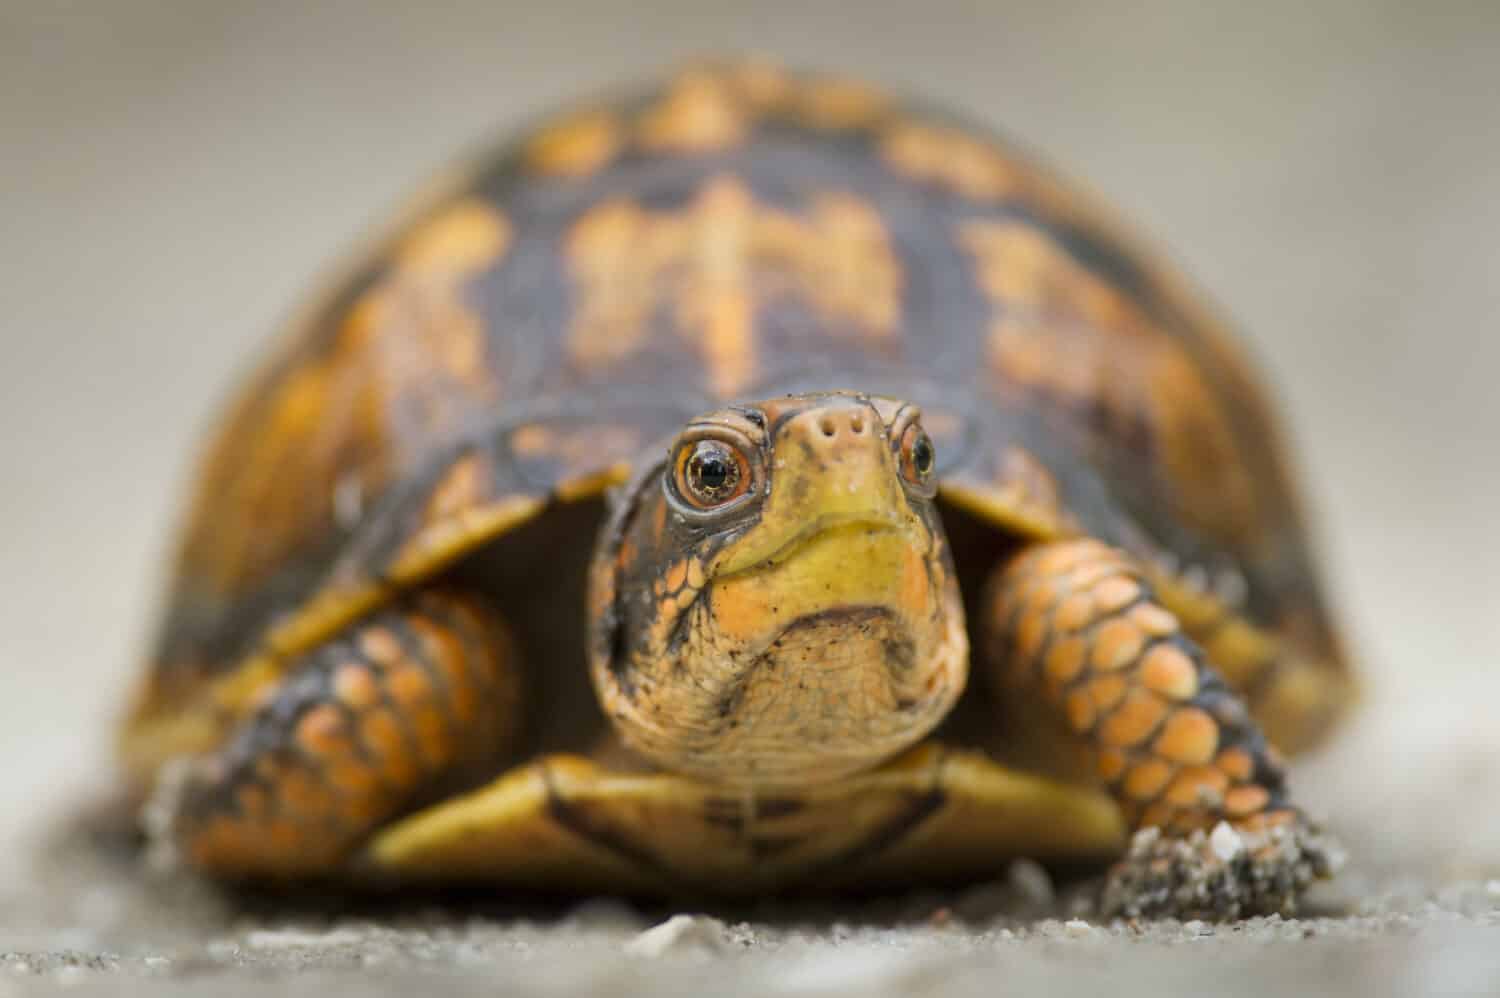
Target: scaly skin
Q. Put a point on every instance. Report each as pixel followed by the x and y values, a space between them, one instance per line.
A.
pixel 400 705
pixel 1075 623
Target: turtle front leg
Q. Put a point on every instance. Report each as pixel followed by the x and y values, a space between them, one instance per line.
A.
pixel 1076 622
pixel 361 730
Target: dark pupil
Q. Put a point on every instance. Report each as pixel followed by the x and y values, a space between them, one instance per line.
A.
pixel 712 471
pixel 921 454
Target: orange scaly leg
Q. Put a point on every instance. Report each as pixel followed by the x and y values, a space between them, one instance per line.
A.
pixel 1076 621
pixel 361 730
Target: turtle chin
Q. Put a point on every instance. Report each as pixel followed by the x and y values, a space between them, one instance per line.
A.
pixel 821 661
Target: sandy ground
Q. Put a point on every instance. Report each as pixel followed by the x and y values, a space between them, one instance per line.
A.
pixel 1415 911
pixel 175 173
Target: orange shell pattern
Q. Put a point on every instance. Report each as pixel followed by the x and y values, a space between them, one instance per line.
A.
pixel 740 232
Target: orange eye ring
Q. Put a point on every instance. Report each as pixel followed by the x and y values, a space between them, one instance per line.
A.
pixel 711 473
pixel 918 456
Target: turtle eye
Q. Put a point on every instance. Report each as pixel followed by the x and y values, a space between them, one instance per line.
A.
pixel 711 473
pixel 918 456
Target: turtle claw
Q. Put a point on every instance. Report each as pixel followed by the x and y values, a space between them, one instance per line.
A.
pixel 1221 875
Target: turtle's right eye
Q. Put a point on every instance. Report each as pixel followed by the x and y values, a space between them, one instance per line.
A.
pixel 711 473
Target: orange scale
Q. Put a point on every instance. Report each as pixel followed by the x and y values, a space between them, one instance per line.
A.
pixel 1117 643
pixel 1107 691
pixel 355 686
pixel 1089 576
pixel 1188 736
pixel 1134 720
pixel 446 654
pixel 409 686
pixel 1065 659
pixel 1039 596
pixel 320 731
pixel 1236 763
pixel 381 645
pixel 1017 585
pixel 1284 818
pixel 1079 708
pixel 1116 593
pixel 1030 634
pixel 1074 613
pixel 1111 764
pixel 1063 558
pixel 1246 800
pixel 1169 671
pixel 1154 620
pixel 1146 779
pixel 1198 787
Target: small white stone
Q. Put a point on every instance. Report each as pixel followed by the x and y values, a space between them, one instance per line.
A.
pixel 1078 928
pixel 696 934
pixel 1226 842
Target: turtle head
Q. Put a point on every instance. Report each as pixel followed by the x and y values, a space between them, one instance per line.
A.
pixel 773 605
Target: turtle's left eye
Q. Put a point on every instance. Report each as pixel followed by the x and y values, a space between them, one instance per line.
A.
pixel 711 473
pixel 918 456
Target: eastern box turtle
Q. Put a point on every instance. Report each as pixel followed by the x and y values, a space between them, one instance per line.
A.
pixel 755 484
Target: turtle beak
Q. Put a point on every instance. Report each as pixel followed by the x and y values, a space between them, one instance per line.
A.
pixel 832 467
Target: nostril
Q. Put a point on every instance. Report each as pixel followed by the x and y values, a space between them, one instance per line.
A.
pixel 857 424
pixel 826 425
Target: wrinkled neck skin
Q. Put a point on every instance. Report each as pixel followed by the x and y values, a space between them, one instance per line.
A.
pixel 810 631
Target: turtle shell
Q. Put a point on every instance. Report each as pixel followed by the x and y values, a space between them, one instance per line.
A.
pixel 557 308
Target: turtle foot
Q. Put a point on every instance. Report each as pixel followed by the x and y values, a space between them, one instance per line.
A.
pixel 1225 874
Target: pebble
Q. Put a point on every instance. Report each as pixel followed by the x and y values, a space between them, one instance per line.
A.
pixel 1226 842
pixel 698 935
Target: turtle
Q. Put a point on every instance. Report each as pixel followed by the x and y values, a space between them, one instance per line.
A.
pixel 750 483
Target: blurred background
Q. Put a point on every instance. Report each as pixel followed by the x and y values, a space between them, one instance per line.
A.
pixel 175 176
